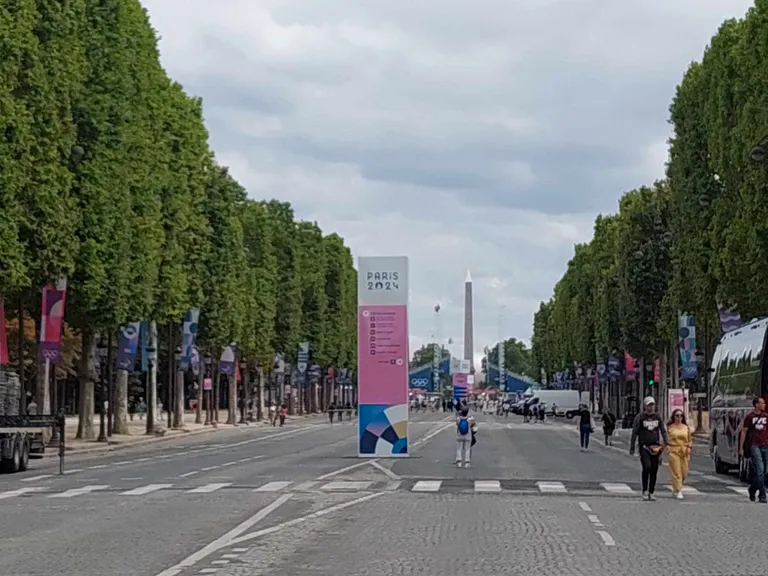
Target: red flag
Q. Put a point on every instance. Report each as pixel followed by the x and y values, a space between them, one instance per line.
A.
pixel 4 336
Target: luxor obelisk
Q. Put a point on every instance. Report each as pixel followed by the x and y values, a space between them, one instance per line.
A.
pixel 469 342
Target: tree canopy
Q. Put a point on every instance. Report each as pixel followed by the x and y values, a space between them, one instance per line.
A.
pixel 689 243
pixel 107 177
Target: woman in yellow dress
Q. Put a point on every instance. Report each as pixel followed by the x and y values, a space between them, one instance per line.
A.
pixel 680 445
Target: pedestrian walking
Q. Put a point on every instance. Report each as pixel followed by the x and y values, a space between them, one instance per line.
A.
pixel 754 445
pixel 273 414
pixel 586 426
pixel 609 426
pixel 464 427
pixel 283 414
pixel 331 409
pixel 680 445
pixel 650 434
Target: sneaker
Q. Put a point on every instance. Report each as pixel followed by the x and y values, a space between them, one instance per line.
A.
pixel 651 497
pixel 679 495
pixel 466 465
pixel 752 494
pixel 458 464
pixel 645 495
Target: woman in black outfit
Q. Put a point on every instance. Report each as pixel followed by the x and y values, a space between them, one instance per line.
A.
pixel 585 427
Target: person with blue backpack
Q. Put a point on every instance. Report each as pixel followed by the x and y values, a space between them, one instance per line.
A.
pixel 465 432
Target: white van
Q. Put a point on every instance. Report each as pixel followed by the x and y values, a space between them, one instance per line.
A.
pixel 566 401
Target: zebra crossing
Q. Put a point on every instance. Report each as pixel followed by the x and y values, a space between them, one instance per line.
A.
pixel 416 486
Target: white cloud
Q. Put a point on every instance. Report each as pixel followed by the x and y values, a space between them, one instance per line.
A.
pixel 467 135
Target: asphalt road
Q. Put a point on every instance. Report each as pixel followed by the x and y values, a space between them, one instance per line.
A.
pixel 298 501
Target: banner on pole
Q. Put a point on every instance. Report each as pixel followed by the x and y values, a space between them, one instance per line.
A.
pixel 52 322
pixel 128 346
pixel 382 352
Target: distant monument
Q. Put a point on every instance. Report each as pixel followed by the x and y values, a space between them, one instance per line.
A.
pixel 469 341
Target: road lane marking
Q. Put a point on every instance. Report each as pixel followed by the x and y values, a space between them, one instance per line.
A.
pixel 617 488
pixel 431 435
pixel 36 478
pixel 21 492
pixel 306 486
pixel 346 486
pixel 79 491
pixel 141 490
pixel 607 538
pixel 551 487
pixel 209 468
pixel 226 539
pixel 487 486
pixel 206 488
pixel 300 520
pixel 584 506
pixel 594 519
pixel 427 486
pixel 740 490
pixel 73 471
pixel 345 469
pixel 273 487
pixel 97 467
pixel 386 471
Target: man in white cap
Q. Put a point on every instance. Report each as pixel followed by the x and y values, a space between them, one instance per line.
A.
pixel 650 433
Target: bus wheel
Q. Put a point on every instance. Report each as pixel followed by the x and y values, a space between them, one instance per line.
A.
pixel 720 467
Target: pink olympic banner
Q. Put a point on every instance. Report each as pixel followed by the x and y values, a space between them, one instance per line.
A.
pixel 3 335
pixel 52 322
pixel 382 353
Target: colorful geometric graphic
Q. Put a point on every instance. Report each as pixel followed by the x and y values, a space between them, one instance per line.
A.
pixel 383 429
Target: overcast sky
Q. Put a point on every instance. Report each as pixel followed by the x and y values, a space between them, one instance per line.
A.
pixel 482 135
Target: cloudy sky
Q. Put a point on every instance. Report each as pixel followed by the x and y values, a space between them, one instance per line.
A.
pixel 482 135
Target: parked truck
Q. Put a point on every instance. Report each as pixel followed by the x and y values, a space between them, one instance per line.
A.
pixel 22 438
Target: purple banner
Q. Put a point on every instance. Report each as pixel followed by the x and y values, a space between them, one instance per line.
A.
pixel 52 322
pixel 128 346
pixel 227 360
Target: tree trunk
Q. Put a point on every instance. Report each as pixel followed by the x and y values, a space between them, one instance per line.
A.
pixel 178 401
pixel 232 401
pixel 87 378
pixel 260 384
pixel 246 392
pixel 216 392
pixel 120 424
pixel 151 380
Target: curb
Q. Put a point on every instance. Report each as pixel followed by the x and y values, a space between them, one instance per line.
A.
pixel 106 447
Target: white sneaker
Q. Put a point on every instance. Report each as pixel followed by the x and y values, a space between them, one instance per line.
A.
pixel 458 464
pixel 466 465
pixel 679 495
pixel 644 495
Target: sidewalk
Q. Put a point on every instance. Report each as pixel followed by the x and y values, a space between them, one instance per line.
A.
pixel 137 435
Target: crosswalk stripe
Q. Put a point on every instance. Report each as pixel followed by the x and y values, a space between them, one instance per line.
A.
pixel 551 487
pixel 141 490
pixel 79 491
pixel 36 478
pixel 345 486
pixel 20 492
pixel 686 489
pixel 273 487
pixel 427 486
pixel 209 488
pixel 617 488
pixel 487 486
pixel 740 490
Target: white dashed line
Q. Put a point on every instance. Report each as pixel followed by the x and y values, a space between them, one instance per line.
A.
pixel 36 478
pixel 209 468
pixel 584 506
pixel 188 474
pixel 607 538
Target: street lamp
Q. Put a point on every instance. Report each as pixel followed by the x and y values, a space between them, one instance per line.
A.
pixel 151 392
pixel 172 383
pixel 207 361
pixel 758 153
pixel 101 351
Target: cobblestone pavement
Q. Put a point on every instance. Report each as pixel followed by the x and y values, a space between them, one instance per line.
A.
pixel 299 502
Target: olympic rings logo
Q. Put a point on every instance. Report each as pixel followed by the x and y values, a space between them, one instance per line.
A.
pixel 50 354
pixel 419 381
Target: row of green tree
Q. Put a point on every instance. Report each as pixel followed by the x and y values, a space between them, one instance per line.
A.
pixel 107 178
pixel 697 239
pixel 517 358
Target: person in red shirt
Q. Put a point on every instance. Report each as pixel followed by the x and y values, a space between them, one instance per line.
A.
pixel 754 444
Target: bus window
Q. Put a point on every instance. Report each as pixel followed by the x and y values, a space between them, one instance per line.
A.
pixel 738 372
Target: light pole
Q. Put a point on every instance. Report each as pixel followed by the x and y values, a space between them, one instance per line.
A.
pixel 101 351
pixel 151 391
pixel 172 384
pixel 207 360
